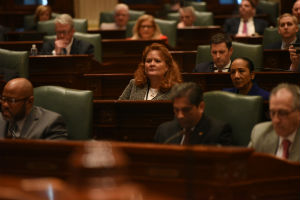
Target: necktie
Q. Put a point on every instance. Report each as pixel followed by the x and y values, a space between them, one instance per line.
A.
pixel 220 70
pixel 11 131
pixel 286 145
pixel 64 51
pixel 245 30
pixel 186 138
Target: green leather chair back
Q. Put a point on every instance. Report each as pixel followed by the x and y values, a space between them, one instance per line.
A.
pixel 95 40
pixel 202 18
pixel 29 22
pixel 108 16
pixel 252 51
pixel 129 28
pixel 271 36
pixel 15 60
pixel 198 6
pixel 242 112
pixel 203 54
pixel 271 8
pixel 48 27
pixel 76 107
pixel 168 28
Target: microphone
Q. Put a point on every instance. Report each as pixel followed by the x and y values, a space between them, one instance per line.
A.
pixel 179 133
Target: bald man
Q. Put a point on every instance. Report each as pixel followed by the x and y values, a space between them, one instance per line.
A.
pixel 21 119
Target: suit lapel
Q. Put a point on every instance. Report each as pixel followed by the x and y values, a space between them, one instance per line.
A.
pixel 141 92
pixel 30 123
pixel 3 127
pixel 271 143
pixel 74 48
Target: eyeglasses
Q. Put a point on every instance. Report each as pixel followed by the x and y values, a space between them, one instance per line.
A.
pixel 10 100
pixel 63 32
pixel 280 113
pixel 146 26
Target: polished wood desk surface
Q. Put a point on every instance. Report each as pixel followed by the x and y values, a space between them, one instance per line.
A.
pixel 177 171
pixel 20 45
pixel 24 36
pixel 109 34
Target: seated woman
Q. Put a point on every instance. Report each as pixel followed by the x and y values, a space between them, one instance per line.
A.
pixel 145 28
pixel 242 76
pixel 42 13
pixel 154 77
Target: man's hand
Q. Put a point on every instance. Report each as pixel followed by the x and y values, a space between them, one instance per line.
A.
pixel 59 45
pixel 295 58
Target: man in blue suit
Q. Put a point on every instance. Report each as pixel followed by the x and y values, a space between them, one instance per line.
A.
pixel 221 51
pixel 246 24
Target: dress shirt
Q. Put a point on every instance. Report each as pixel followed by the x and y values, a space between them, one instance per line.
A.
pixel 151 93
pixel 286 46
pixel 224 69
pixel 250 27
pixel 291 138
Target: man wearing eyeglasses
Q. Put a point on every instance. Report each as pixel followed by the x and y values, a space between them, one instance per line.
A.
pixel 65 43
pixel 191 125
pixel 281 136
pixel 21 119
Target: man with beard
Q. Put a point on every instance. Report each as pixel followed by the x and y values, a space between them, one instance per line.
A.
pixel 242 77
pixel 191 126
pixel 281 136
pixel 21 119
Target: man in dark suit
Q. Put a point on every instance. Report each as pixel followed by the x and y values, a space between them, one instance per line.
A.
pixel 191 125
pixel 221 51
pixel 288 30
pixel 20 119
pixel 246 24
pixel 65 43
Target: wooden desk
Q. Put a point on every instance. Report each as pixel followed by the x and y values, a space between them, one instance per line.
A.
pixel 20 45
pixel 24 36
pixel 276 59
pixel 179 172
pixel 134 121
pixel 190 38
pixel 111 86
pixel 110 34
pixel 258 39
pixel 66 71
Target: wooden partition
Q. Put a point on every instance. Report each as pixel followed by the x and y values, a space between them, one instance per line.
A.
pixel 190 38
pixel 20 45
pixel 24 36
pixel 110 86
pixel 179 172
pixel 276 59
pixel 110 34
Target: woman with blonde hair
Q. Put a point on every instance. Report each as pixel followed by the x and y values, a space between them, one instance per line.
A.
pixel 154 77
pixel 145 28
pixel 42 13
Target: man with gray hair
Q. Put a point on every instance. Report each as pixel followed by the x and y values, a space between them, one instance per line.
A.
pixel 281 136
pixel 121 17
pixel 187 17
pixel 191 125
pixel 65 43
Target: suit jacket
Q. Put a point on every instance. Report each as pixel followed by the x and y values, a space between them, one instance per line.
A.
pixel 255 90
pixel 133 92
pixel 231 25
pixel 39 124
pixel 78 47
pixel 205 67
pixel 208 131
pixel 264 139
pixel 277 45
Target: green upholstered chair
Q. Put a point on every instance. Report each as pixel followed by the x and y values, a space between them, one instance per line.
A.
pixel 16 61
pixel 94 39
pixel 76 107
pixel 108 16
pixel 29 22
pixel 48 27
pixel 242 112
pixel 271 36
pixel 167 27
pixel 202 18
pixel 198 6
pixel 271 8
pixel 203 54
pixel 252 51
